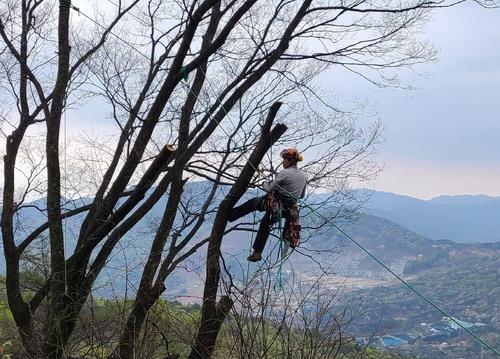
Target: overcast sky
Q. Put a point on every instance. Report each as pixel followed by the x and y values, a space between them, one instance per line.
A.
pixel 444 138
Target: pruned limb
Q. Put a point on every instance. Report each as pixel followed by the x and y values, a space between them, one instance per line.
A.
pixel 212 313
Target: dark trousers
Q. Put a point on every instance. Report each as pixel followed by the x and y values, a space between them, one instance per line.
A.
pixel 267 221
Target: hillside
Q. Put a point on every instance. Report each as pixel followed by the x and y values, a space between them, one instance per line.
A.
pixel 466 285
pixel 403 250
pixel 171 324
pixel 462 278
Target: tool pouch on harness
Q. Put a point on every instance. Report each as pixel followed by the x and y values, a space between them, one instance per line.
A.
pixel 292 231
pixel 272 204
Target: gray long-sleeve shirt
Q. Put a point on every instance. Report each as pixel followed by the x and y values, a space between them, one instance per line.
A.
pixel 290 182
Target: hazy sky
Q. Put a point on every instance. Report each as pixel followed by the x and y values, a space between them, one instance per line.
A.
pixel 443 138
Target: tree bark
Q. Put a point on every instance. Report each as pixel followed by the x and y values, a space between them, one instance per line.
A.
pixel 213 312
pixel 54 343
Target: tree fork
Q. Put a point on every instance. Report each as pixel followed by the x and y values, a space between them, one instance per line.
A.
pixel 213 313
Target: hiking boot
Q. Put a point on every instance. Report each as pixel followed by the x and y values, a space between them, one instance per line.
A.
pixel 255 257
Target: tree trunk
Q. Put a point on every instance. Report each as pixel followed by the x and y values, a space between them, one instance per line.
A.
pixel 54 345
pixel 213 314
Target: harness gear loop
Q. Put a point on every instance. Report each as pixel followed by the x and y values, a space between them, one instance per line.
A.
pixel 292 231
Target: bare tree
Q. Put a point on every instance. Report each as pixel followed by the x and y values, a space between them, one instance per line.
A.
pixel 193 89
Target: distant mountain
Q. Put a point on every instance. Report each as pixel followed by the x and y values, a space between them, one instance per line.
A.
pixel 465 218
pixel 397 231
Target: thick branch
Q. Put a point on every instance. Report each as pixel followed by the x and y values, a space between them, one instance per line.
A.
pixel 151 120
pixel 211 316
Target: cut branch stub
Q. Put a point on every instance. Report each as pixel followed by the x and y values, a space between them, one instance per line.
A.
pixel 213 313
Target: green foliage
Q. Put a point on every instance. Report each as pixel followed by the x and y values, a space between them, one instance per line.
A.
pixel 431 260
pixel 464 283
pixel 372 353
pixel 8 334
pixel 170 327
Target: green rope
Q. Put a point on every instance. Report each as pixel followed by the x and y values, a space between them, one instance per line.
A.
pixel 280 253
pixel 184 73
pixel 252 238
pixel 403 281
pixel 382 264
pixel 64 3
pixel 387 268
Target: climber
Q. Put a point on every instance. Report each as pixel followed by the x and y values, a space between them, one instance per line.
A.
pixel 286 189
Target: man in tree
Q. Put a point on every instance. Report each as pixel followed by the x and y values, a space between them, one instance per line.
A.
pixel 286 189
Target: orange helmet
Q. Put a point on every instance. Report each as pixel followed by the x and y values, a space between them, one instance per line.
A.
pixel 291 153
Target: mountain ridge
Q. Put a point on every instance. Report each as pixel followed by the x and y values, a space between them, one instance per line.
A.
pixel 460 218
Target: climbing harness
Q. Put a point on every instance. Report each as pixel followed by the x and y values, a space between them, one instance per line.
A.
pixel 291 232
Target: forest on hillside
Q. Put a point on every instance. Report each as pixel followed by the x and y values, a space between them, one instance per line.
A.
pixel 466 287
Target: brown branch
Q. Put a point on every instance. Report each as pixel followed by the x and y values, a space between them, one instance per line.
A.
pixel 212 316
pixel 34 235
pixel 173 78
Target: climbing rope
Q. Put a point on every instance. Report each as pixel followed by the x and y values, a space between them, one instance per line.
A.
pixel 279 259
pixel 65 221
pixel 327 221
pixel 408 285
